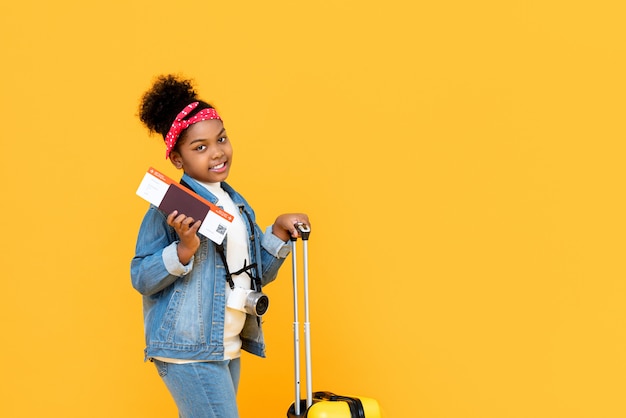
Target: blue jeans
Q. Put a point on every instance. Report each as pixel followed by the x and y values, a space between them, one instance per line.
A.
pixel 203 390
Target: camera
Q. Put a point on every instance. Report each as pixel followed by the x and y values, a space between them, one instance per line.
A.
pixel 248 301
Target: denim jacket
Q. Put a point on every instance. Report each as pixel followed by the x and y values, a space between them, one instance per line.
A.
pixel 183 305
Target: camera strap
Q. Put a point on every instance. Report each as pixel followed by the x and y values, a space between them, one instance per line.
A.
pixel 244 269
pixel 255 277
pixel 256 281
pixel 229 275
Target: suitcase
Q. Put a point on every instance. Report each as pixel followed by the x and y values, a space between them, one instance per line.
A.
pixel 321 404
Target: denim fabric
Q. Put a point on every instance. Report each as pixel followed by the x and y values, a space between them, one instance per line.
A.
pixel 183 305
pixel 203 390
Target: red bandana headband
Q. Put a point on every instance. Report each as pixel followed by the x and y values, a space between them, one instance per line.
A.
pixel 180 124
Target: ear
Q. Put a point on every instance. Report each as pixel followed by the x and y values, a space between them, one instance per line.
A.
pixel 176 159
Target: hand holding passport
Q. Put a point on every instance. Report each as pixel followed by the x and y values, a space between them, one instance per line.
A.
pixel 168 196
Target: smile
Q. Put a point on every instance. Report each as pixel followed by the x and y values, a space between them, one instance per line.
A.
pixel 218 167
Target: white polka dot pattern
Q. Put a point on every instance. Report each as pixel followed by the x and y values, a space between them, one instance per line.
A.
pixel 180 124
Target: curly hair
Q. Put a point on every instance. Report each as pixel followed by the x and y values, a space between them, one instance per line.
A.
pixel 168 95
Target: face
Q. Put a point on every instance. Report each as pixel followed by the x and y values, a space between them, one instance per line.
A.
pixel 204 152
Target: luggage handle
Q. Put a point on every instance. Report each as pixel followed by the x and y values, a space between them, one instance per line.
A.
pixel 354 404
pixel 304 231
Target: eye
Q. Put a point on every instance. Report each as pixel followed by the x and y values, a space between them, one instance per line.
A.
pixel 200 147
pixel 222 139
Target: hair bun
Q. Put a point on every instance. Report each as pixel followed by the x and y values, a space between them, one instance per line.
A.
pixel 168 95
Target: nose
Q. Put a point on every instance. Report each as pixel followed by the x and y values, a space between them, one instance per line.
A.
pixel 217 153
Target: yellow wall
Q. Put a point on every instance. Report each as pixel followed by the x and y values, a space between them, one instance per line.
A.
pixel 462 162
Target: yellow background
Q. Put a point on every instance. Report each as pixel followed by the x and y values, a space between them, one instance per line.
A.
pixel 462 163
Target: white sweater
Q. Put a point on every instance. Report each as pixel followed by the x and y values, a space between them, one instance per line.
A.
pixel 236 256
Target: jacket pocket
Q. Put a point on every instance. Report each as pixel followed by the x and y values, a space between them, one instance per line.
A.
pixel 168 324
pixel 181 323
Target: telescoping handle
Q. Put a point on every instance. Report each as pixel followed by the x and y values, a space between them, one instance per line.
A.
pixel 304 231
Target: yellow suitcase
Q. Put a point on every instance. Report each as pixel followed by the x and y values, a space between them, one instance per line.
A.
pixel 329 405
pixel 318 404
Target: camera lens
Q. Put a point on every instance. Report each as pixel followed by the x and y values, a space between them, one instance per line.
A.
pixel 262 303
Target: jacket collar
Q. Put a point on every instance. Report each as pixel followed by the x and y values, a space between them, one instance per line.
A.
pixel 205 193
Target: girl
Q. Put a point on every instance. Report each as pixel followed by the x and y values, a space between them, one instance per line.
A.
pixel 193 334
